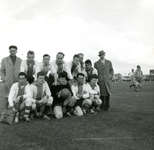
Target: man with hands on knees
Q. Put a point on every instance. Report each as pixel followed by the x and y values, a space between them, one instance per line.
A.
pixel 20 97
pixel 41 93
pixel 81 94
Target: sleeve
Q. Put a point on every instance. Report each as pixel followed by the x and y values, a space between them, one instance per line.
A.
pixel 95 66
pixel 67 68
pixel 73 88
pixel 22 68
pixel 111 69
pixel 95 71
pixel 2 70
pixel 38 68
pixel 11 95
pixel 91 91
pixel 86 95
pixel 47 90
pixel 28 93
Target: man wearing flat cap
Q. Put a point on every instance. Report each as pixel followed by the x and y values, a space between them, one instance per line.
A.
pixel 105 74
pixel 10 68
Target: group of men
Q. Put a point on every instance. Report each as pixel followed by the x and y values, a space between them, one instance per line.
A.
pixel 70 88
pixel 136 78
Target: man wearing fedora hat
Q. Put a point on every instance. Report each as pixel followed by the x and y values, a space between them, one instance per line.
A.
pixel 10 68
pixel 105 74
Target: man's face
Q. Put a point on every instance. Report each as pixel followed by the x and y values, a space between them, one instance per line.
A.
pixel 80 79
pixel 22 80
pixel 12 51
pixel 41 79
pixel 102 56
pixel 62 80
pixel 59 58
pixel 94 81
pixel 76 60
pixel 88 66
pixel 81 58
pixel 46 60
pixel 30 57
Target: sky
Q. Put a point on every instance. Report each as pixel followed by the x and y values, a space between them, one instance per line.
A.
pixel 124 29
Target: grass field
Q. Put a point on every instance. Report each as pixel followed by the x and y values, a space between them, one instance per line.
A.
pixel 128 126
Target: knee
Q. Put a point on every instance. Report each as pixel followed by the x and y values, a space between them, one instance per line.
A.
pixel 33 107
pixel 87 102
pixel 50 101
pixel 98 102
pixel 78 111
pixel 28 102
pixel 58 112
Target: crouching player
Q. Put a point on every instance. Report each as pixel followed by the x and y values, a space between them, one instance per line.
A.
pixel 41 92
pixel 94 91
pixel 81 94
pixel 63 97
pixel 20 97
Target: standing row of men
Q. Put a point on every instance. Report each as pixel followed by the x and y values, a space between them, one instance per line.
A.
pixel 76 73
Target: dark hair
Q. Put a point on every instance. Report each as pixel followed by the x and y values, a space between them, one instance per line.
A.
pixel 81 54
pixel 22 74
pixel 62 75
pixel 75 56
pixel 61 53
pixel 46 55
pixel 30 52
pixel 40 74
pixel 95 76
pixel 88 61
pixel 138 66
pixel 80 74
pixel 13 46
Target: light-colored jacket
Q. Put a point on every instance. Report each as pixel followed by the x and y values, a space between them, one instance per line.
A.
pixel 14 92
pixel 9 72
pixel 96 90
pixel 24 67
pixel 85 90
pixel 76 71
pixel 46 90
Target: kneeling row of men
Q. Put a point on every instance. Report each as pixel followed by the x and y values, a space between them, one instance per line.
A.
pixel 38 98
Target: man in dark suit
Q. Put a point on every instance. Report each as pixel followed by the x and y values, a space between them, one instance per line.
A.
pixel 105 74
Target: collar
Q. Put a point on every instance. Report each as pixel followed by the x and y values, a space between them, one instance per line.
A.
pixel 13 56
pixel 103 61
pixel 30 63
pixel 45 64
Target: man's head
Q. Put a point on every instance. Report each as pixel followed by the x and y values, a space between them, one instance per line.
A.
pixel 81 57
pixel 102 54
pixel 80 78
pixel 138 67
pixel 30 56
pixel 13 50
pixel 46 59
pixel 62 78
pixel 94 79
pixel 60 57
pixel 22 78
pixel 40 77
pixel 76 59
pixel 88 64
pixel 132 70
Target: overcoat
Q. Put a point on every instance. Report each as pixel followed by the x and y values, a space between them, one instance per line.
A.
pixel 9 72
pixel 105 74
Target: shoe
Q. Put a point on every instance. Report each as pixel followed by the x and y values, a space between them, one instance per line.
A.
pixel 107 109
pixel 68 114
pixel 46 117
pixel 98 109
pixel 130 87
pixel 91 111
pixel 26 119
pixel 38 114
pixel 84 111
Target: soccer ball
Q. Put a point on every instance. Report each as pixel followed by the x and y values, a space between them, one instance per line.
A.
pixel 65 93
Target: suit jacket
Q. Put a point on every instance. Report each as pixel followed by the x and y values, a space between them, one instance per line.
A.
pixel 46 90
pixel 105 74
pixel 24 67
pixel 14 92
pixel 9 72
